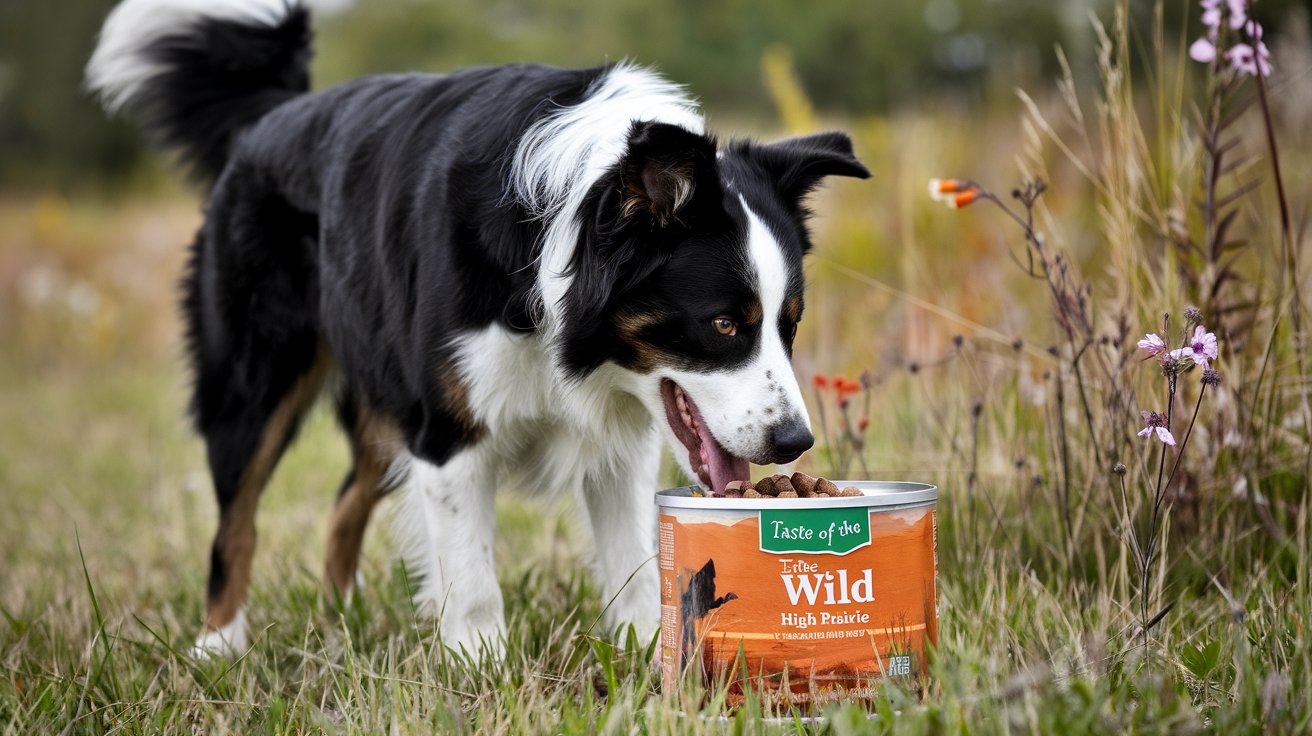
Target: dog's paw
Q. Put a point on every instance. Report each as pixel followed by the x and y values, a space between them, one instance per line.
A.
pixel 227 641
pixel 480 638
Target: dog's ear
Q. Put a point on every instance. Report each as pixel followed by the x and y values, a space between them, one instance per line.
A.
pixel 662 171
pixel 798 164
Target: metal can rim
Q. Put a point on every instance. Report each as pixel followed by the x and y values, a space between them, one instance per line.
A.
pixel 875 493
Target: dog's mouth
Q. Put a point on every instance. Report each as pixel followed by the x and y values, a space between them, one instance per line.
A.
pixel 715 466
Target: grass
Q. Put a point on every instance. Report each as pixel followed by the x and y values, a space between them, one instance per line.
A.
pixel 1049 621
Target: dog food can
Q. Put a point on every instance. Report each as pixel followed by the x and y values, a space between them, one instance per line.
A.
pixel 803 600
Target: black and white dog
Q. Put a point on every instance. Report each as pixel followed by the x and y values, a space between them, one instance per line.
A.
pixel 514 276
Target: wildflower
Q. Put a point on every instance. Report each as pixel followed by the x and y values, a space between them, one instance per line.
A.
pixel 1156 424
pixel 1193 316
pixel 821 381
pixel 862 424
pixel 1250 56
pixel 1211 377
pixel 963 199
pixel 1202 347
pixel 1251 59
pixel 941 189
pixel 846 387
pixel 1152 344
pixel 953 192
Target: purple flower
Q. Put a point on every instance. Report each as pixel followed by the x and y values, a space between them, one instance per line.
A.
pixel 1203 51
pixel 1155 424
pixel 1250 60
pixel 1202 347
pixel 1152 344
pixel 1250 56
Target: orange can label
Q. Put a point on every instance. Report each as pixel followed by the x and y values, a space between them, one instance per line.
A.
pixel 805 605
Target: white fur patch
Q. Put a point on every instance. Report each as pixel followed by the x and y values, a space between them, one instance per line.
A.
pixel 227 641
pixel 119 73
pixel 443 524
pixel 563 155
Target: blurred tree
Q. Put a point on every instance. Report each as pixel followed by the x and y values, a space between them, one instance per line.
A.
pixel 52 134
pixel 851 56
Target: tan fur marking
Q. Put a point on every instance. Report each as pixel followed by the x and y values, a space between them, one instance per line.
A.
pixel 793 309
pixel 375 443
pixel 236 536
pixel 629 327
pixel 456 394
pixel 753 313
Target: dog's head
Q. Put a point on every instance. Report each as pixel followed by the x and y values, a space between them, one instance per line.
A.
pixel 688 273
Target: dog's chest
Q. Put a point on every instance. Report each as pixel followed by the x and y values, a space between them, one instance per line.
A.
pixel 530 408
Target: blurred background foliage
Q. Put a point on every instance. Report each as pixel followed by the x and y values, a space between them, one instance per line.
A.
pixel 852 57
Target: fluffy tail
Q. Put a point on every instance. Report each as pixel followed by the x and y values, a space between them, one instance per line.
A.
pixel 199 71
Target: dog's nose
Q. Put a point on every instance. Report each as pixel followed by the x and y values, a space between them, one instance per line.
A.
pixel 791 438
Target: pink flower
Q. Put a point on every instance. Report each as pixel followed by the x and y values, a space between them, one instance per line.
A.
pixel 1203 51
pixel 1156 425
pixel 1250 60
pixel 1152 344
pixel 1202 347
pixel 1249 57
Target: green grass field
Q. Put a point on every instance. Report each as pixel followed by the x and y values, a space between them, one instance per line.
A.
pixel 1017 395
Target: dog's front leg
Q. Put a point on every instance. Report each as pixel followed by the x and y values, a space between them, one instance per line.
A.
pixel 445 524
pixel 621 508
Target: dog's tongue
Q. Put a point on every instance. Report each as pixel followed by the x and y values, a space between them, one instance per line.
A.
pixel 723 466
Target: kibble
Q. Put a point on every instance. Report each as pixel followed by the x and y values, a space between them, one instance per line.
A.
pixel 798 485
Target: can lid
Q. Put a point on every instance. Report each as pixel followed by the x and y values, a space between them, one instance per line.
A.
pixel 873 493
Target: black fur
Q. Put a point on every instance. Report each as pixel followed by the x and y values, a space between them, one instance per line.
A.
pixel 221 76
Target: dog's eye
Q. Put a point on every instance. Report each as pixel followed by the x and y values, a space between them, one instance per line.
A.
pixel 725 326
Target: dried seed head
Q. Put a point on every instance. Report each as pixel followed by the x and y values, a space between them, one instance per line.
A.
pixel 1119 468
pixel 957 340
pixel 1017 344
pixel 1193 316
pixel 1211 377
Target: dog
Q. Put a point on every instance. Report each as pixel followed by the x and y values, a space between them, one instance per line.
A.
pixel 511 276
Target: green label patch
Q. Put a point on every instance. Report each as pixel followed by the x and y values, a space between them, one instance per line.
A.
pixel 834 531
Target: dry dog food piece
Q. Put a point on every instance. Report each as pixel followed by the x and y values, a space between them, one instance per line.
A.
pixel 750 492
pixel 804 484
pixel 736 485
pixel 851 491
pixel 765 487
pixel 787 494
pixel 826 487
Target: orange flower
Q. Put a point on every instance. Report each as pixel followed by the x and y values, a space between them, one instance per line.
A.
pixel 862 423
pixel 938 188
pixel 962 198
pixel 821 381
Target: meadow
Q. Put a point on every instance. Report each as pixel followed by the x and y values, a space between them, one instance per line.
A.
pixel 1091 580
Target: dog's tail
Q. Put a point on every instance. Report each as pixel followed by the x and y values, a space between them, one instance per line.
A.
pixel 197 72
